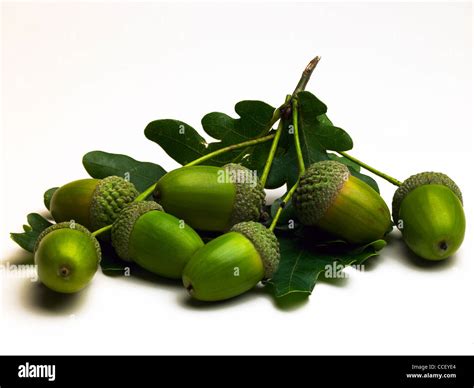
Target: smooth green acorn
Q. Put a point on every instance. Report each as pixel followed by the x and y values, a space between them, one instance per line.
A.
pixel 155 240
pixel 233 263
pixel 428 210
pixel 329 197
pixel 67 257
pixel 94 203
pixel 211 198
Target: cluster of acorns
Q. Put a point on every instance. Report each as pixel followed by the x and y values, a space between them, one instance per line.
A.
pixel 160 235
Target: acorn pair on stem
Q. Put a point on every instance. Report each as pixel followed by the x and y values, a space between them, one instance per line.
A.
pixel 427 208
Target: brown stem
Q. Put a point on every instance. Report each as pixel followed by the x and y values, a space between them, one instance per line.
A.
pixel 306 76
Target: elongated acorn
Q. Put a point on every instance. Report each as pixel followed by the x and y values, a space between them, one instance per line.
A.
pixel 211 198
pixel 428 210
pixel 329 197
pixel 233 263
pixel 67 257
pixel 93 203
pixel 155 240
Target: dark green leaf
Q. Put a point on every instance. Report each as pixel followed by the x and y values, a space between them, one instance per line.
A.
pixel 317 135
pixel 179 140
pixel 48 195
pixel 311 106
pixel 324 119
pixel 183 143
pixel 101 164
pixel 27 239
pixel 302 264
pixel 254 120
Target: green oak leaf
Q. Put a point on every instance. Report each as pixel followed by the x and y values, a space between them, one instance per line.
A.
pixel 100 164
pixel 184 144
pixel 254 119
pixel 31 232
pixel 316 136
pixel 178 139
pixel 301 264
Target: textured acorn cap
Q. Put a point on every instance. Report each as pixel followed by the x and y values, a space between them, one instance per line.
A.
pixel 72 226
pixel 110 196
pixel 249 196
pixel 264 241
pixel 318 188
pixel 421 179
pixel 123 226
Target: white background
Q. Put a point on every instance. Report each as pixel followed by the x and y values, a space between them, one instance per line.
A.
pixel 79 77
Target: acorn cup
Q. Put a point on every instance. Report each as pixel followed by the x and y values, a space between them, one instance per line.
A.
pixel 428 210
pixel 233 263
pixel 332 199
pixel 67 257
pixel 211 198
pixel 157 241
pixel 94 203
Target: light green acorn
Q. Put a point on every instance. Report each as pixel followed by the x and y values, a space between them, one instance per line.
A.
pixel 428 210
pixel 233 263
pixel 329 197
pixel 155 240
pixel 67 257
pixel 211 198
pixel 94 203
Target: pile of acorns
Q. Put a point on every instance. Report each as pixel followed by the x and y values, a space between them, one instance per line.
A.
pixel 160 235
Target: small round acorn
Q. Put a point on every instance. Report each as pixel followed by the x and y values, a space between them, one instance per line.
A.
pixel 67 257
pixel 233 263
pixel 94 203
pixel 329 197
pixel 428 210
pixel 211 198
pixel 155 240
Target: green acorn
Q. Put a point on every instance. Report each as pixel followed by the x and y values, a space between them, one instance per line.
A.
pixel 155 240
pixel 67 257
pixel 329 197
pixel 211 198
pixel 428 210
pixel 233 263
pixel 93 203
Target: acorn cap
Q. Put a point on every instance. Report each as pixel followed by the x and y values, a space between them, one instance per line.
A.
pixel 421 179
pixel 264 241
pixel 110 196
pixel 123 226
pixel 249 196
pixel 318 188
pixel 72 226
